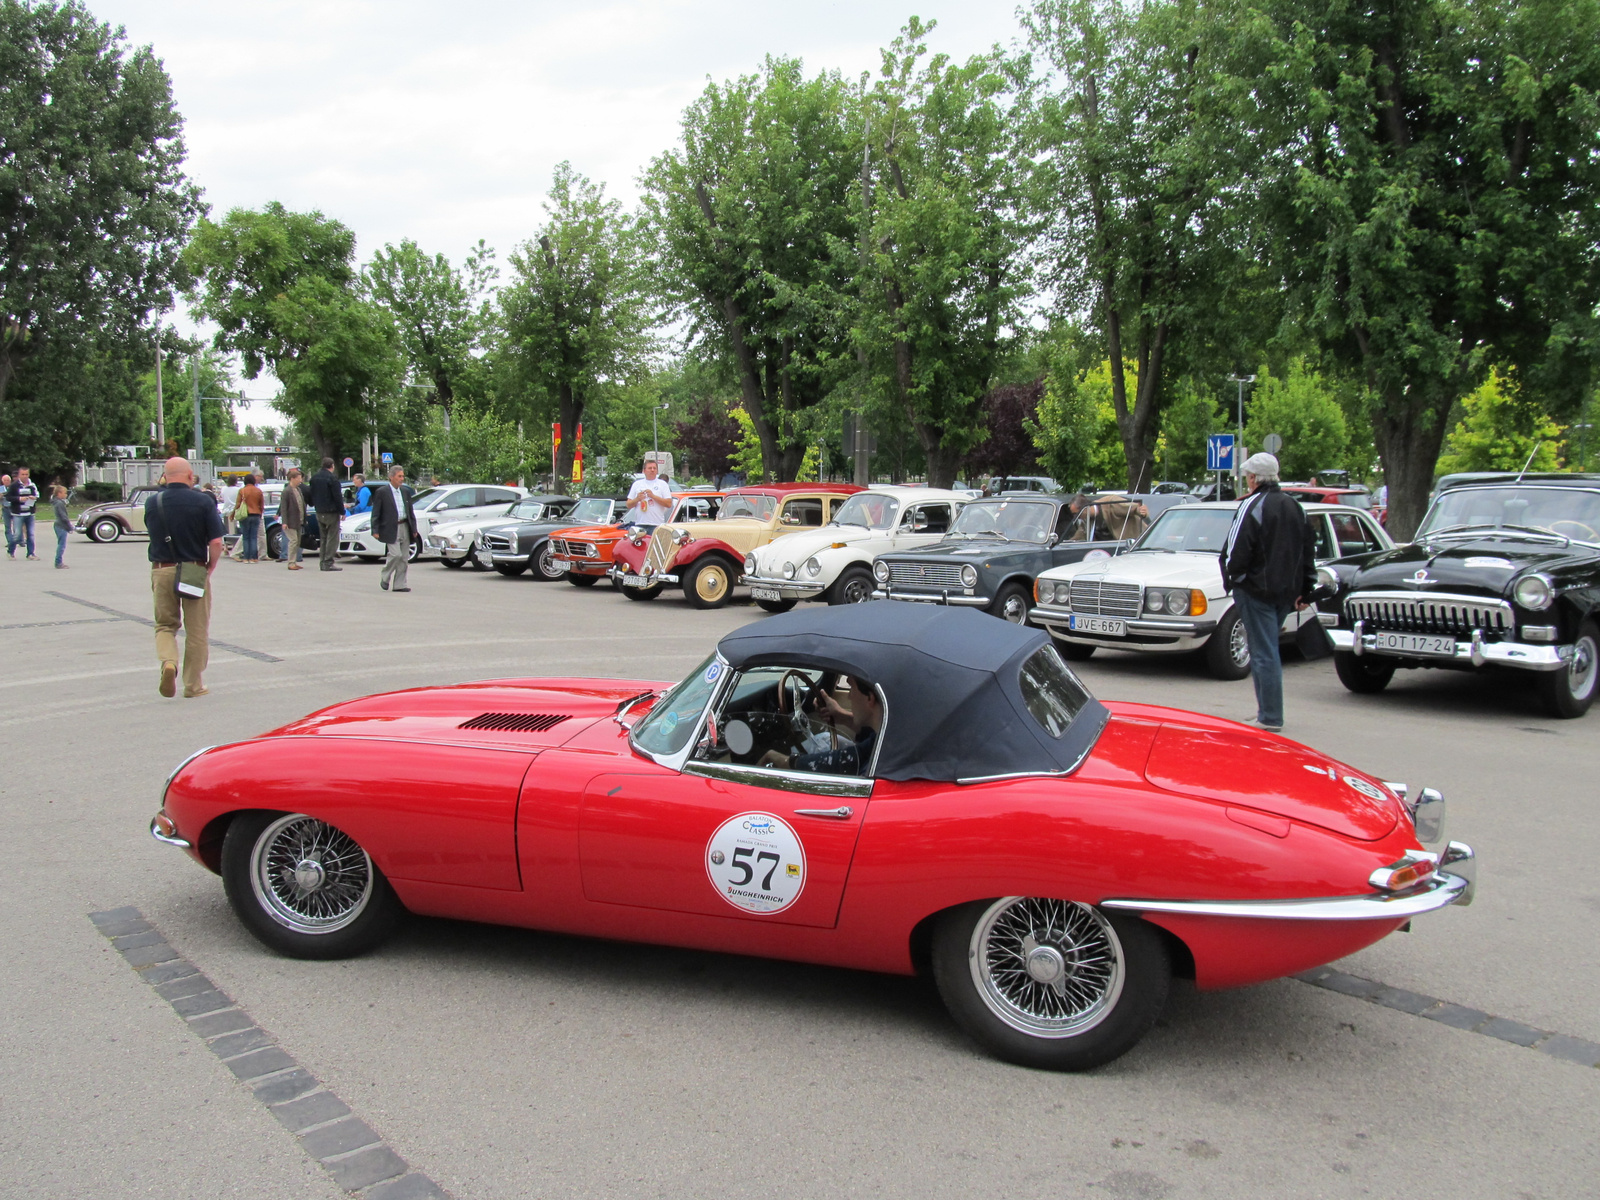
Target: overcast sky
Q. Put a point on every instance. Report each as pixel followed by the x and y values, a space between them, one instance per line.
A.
pixel 441 121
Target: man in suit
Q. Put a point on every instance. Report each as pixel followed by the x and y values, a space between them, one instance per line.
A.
pixel 327 501
pixel 395 524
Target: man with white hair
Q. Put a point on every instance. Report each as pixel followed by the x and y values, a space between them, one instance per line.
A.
pixel 1269 565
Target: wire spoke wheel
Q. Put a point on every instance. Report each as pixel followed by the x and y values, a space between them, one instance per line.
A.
pixel 308 876
pixel 1048 968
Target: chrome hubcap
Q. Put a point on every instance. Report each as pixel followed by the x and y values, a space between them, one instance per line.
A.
pixel 1015 610
pixel 1049 968
pixel 308 876
pixel 1581 671
pixel 1239 644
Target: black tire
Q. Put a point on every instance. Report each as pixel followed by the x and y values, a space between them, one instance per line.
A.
pixel 1011 604
pixel 777 606
pixel 583 581
pixel 277 543
pixel 1366 675
pixel 1569 692
pixel 545 568
pixel 351 910
pixel 854 586
pixel 1114 971
pixel 637 593
pixel 1075 651
pixel 511 570
pixel 1227 654
pixel 709 582
pixel 477 563
pixel 455 564
pixel 105 529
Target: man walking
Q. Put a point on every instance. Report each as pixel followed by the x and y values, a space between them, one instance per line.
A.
pixel 327 501
pixel 650 498
pixel 21 498
pixel 185 547
pixel 394 523
pixel 292 517
pixel 254 502
pixel 1269 566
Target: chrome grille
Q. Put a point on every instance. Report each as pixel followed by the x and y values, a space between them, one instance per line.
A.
pixel 659 556
pixel 1095 596
pixel 934 575
pixel 1434 612
pixel 573 549
pixel 499 541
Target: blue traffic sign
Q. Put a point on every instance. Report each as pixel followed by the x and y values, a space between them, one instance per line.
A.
pixel 1219 452
pixel 387 456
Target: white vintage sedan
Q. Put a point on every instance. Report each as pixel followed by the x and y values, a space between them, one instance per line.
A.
pixel 1165 595
pixel 834 563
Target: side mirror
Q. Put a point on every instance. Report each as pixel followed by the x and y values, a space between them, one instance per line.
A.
pixel 1052 539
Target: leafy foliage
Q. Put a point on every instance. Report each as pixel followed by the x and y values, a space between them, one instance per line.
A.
pixel 709 437
pixel 1500 430
pixel 1008 449
pixel 478 446
pixel 1302 409
pixel 440 314
pixel 1076 431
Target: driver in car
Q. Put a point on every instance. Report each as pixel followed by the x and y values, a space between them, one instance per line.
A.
pixel 848 758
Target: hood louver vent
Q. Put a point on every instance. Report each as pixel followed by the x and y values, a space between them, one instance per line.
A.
pixel 514 722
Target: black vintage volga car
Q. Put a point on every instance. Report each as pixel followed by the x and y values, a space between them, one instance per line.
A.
pixel 1504 572
pixel 998 546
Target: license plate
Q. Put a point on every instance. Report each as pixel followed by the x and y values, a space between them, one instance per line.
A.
pixel 766 593
pixel 1109 626
pixel 635 581
pixel 1415 643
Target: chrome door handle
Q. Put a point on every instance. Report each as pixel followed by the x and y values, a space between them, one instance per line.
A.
pixel 843 812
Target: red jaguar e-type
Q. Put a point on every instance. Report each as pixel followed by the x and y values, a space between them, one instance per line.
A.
pixel 881 786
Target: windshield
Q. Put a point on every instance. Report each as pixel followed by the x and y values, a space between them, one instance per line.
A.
pixel 1200 530
pixel 1561 511
pixel 590 511
pixel 417 500
pixel 759 507
pixel 528 510
pixel 868 509
pixel 1014 520
pixel 667 727
pixel 1051 691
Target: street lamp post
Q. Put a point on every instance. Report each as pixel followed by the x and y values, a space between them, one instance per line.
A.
pixel 655 441
pixel 1238 449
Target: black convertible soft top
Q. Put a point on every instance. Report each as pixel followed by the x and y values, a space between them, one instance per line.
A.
pixel 950 677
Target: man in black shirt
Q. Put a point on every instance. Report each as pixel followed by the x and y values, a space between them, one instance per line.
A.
pixel 327 501
pixel 184 527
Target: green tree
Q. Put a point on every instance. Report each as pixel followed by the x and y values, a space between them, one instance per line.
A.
pixel 1076 428
pixel 1190 417
pixel 72 402
pixel 94 206
pixel 1146 144
pixel 1433 190
pixel 284 290
pixel 576 312
pixel 1303 409
pixel 747 212
pixel 476 445
pixel 440 313
pixel 939 240
pixel 217 425
pixel 1500 430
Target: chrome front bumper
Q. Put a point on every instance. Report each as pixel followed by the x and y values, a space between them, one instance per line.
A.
pixel 167 839
pixel 942 596
pixel 1475 652
pixel 621 573
pixel 789 589
pixel 1452 883
pixel 1189 634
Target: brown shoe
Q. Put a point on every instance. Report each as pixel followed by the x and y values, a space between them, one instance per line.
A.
pixel 296 567
pixel 169 680
pixel 188 695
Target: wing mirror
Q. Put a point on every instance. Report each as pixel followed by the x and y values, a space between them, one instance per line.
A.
pixel 1052 539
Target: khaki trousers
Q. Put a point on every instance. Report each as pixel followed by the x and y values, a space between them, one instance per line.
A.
pixel 192 615
pixel 394 563
pixel 291 546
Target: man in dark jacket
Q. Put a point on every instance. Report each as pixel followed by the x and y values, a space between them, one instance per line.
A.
pixel 1269 566
pixel 327 501
pixel 394 523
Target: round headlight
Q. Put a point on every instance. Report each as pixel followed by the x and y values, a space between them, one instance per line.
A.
pixel 969 575
pixel 1534 591
pixel 749 564
pixel 1328 578
pixel 880 572
pixel 1055 593
pixel 788 570
pixel 1155 599
pixel 1177 602
pixel 813 567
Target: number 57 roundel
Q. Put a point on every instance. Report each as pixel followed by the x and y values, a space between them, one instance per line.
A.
pixel 756 862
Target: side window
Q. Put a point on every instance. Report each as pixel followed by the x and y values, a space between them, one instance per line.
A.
pixel 465 498
pixel 498 496
pixel 1068 528
pixel 1351 535
pixel 1322 545
pixel 929 518
pixel 805 514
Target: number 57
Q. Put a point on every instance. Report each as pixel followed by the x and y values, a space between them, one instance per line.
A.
pixel 745 852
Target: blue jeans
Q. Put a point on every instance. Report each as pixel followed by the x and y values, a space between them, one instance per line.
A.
pixel 61 542
pixel 21 533
pixel 252 536
pixel 11 535
pixel 1262 622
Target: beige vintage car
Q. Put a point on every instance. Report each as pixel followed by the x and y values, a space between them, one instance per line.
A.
pixel 706 558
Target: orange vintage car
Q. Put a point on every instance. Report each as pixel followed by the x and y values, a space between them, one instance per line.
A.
pixel 585 550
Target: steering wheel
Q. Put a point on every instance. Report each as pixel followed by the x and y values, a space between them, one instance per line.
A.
pixel 804 693
pixel 1588 533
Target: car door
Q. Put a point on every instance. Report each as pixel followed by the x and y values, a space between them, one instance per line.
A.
pixel 801 512
pixel 922 525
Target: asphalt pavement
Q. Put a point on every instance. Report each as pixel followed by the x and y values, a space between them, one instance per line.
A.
pixel 508 1063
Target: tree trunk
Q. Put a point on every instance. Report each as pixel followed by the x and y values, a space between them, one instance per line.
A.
pixel 569 411
pixel 8 368
pixel 324 446
pixel 943 462
pixel 1409 436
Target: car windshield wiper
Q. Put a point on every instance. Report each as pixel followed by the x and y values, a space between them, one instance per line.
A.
pixel 857 524
pixel 1467 528
pixel 990 533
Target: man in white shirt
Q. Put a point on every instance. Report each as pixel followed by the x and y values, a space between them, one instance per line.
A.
pixel 650 499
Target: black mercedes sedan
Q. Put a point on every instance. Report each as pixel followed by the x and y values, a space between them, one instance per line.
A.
pixel 1504 574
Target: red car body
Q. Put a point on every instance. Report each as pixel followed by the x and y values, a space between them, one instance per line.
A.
pixel 525 802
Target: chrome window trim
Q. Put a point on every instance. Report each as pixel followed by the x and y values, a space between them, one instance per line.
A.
pixel 847 786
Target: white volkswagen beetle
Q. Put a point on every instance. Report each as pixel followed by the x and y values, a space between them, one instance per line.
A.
pixel 1165 594
pixel 834 563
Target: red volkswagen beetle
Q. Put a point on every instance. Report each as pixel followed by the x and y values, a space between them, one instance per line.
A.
pixel 880 786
